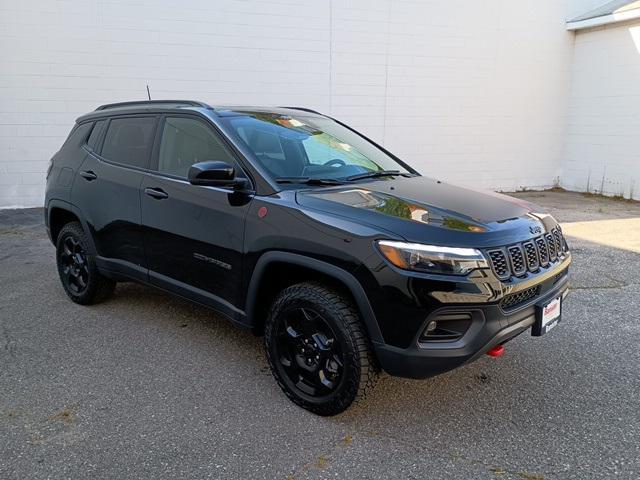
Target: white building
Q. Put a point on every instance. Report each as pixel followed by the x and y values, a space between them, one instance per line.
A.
pixel 602 146
pixel 494 93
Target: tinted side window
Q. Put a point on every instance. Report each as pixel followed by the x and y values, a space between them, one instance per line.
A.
pixel 94 137
pixel 186 141
pixel 128 140
pixel 78 135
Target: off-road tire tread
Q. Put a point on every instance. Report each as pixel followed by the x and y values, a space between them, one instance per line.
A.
pixel 362 356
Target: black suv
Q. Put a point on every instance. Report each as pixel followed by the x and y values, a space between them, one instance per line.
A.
pixel 296 226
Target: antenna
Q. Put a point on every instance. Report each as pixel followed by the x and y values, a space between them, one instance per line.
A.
pixel 148 93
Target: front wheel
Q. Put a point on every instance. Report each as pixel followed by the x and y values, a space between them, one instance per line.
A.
pixel 318 349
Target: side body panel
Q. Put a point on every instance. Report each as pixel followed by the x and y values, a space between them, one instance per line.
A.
pixel 194 237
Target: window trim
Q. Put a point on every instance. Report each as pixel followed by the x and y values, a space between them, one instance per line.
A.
pixel 120 164
pixel 104 122
pixel 155 156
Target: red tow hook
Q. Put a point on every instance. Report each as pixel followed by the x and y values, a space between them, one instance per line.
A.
pixel 496 351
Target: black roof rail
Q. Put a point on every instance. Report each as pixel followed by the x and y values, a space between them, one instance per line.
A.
pixel 303 109
pixel 151 103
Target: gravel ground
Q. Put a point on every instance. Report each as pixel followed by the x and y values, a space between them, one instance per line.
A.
pixel 148 386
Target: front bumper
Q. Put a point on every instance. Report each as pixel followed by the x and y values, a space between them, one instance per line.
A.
pixel 490 326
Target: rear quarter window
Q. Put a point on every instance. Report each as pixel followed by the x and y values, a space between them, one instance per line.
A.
pixel 128 141
pixel 78 135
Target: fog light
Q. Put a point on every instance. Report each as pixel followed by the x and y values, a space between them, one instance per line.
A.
pixel 446 327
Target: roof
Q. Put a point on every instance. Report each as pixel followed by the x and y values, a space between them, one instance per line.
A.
pixel 611 12
pixel 147 106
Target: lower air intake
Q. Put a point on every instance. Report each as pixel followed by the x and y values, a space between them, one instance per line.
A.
pixel 516 299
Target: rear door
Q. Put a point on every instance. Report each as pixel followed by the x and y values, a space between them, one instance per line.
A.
pixel 193 235
pixel 107 190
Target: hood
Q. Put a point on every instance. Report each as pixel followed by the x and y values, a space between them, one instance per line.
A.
pixel 423 210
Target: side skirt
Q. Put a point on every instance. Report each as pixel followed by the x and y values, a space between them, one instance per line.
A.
pixel 125 271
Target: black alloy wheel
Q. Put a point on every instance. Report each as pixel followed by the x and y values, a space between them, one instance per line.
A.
pixel 308 352
pixel 74 265
pixel 78 272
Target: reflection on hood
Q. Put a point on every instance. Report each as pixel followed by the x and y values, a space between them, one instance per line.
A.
pixel 398 207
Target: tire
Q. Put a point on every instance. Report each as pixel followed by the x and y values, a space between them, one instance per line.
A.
pixel 77 267
pixel 318 349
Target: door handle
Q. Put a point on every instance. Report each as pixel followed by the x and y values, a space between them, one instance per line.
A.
pixel 88 175
pixel 156 193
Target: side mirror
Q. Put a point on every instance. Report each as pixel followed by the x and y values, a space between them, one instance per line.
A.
pixel 214 174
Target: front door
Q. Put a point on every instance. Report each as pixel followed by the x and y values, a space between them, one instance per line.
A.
pixel 193 235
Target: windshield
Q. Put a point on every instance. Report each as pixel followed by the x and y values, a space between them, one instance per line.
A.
pixel 293 148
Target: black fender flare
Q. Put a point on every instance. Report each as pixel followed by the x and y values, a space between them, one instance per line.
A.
pixel 341 275
pixel 64 205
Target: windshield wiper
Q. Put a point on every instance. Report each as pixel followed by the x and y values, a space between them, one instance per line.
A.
pixel 378 173
pixel 309 180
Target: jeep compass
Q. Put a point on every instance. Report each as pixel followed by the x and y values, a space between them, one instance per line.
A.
pixel 296 226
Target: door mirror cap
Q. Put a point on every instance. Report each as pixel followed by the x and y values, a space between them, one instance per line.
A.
pixel 215 174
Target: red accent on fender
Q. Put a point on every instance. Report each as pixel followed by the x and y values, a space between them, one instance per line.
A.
pixel 496 351
pixel 262 212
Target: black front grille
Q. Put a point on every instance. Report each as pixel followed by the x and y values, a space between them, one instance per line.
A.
pixel 551 244
pixel 532 256
pixel 516 299
pixel 516 258
pixel 543 251
pixel 559 241
pixel 499 263
pixel 539 252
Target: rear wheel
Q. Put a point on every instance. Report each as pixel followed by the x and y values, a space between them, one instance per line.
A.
pixel 77 269
pixel 318 350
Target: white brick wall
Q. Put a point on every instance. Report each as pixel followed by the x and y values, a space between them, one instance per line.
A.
pixel 471 92
pixel 603 136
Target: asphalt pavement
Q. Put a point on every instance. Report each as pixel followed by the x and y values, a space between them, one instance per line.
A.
pixel 146 385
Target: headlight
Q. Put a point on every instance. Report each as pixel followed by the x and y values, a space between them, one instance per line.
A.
pixel 431 258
